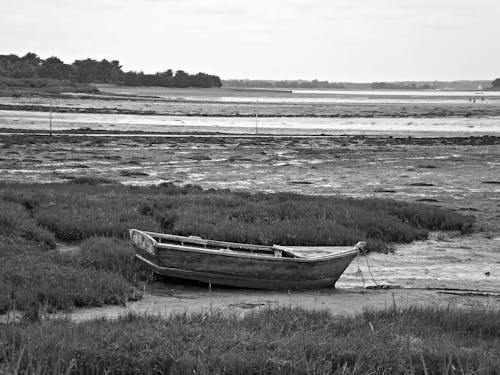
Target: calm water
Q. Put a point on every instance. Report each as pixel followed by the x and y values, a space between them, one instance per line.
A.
pixel 355 99
pixel 402 93
pixel 372 97
pixel 311 96
pixel 273 125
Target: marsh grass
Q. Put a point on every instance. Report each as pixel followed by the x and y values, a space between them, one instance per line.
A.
pixel 91 180
pixel 42 85
pixel 281 340
pixel 111 255
pixel 74 212
pixel 77 216
pixel 34 278
pixel 16 220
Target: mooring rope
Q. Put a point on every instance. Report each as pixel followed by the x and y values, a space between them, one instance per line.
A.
pixel 359 246
pixel 359 272
pixel 370 270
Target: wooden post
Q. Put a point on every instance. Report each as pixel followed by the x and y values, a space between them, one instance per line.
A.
pixel 50 118
pixel 256 116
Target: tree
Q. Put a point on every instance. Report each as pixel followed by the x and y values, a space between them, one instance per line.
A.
pixel 32 58
pixel 102 71
pixel 181 79
pixel 19 67
pixel 85 70
pixel 116 71
pixel 55 68
pixel 496 82
pixel 93 71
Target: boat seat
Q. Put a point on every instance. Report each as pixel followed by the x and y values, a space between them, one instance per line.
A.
pixel 285 250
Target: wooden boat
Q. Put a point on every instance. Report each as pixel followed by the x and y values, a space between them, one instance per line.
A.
pixel 242 265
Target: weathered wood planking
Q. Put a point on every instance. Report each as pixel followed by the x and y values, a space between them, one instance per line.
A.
pixel 243 265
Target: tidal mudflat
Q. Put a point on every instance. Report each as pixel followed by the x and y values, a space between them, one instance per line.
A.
pixel 455 172
pixel 459 173
pixel 434 149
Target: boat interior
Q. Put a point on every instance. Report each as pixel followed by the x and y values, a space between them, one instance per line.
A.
pixel 201 243
pixel 195 242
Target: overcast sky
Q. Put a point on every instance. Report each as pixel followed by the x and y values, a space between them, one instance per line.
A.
pixel 335 40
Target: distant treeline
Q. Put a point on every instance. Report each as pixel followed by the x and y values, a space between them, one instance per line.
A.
pixel 399 86
pixel 93 71
pixel 293 84
pixel 402 85
pixel 169 79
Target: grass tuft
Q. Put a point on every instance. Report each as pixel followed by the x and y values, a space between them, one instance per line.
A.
pixel 112 255
pixel 15 220
pixel 91 180
pixel 32 280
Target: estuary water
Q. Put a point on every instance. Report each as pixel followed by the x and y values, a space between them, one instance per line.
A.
pixel 438 126
pixel 277 96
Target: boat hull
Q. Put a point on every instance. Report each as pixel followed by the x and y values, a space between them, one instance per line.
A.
pixel 247 271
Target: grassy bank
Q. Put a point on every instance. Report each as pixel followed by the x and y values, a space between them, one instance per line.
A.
pixel 28 86
pixel 35 277
pixel 95 216
pixel 36 280
pixel 281 340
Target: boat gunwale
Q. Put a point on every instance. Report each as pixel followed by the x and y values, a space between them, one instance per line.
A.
pixel 316 259
pixel 204 241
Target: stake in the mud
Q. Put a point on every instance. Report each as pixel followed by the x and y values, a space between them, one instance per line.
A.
pixel 256 116
pixel 50 118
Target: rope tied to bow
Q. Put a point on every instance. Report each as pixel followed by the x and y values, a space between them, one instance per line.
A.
pixel 359 248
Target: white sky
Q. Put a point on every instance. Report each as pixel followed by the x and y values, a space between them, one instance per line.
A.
pixel 335 40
